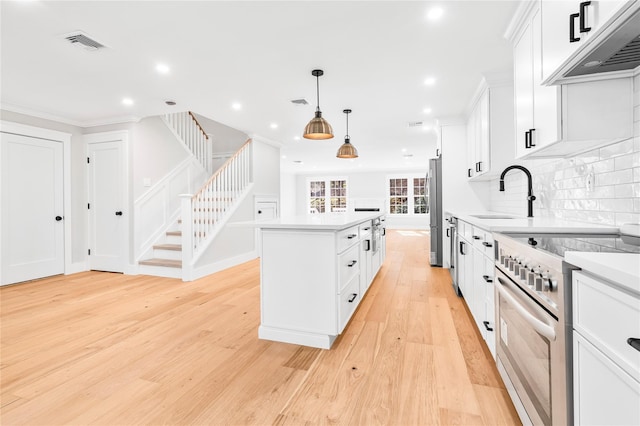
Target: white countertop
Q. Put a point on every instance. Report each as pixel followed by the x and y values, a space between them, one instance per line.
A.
pixel 535 225
pixel 327 221
pixel 620 268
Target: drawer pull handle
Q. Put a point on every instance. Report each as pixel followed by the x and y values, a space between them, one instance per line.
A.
pixel 350 236
pixel 353 262
pixel 352 298
pixel 367 228
pixel 486 325
pixel 475 237
pixel 487 278
pixel 572 27
pixel 583 17
pixel 634 343
pixel 486 244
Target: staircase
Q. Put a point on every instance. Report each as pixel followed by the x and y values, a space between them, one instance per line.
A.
pixel 204 213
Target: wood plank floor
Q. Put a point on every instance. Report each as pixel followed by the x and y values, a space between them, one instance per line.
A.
pixel 110 349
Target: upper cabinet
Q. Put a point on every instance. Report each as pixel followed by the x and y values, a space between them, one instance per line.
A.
pixel 490 128
pixel 563 120
pixel 568 25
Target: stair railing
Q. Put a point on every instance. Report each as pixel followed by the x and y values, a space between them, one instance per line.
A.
pixel 204 211
pixel 186 126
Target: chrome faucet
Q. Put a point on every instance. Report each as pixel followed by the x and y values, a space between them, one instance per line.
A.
pixel 530 196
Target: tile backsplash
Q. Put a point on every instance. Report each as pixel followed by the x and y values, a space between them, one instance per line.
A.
pixel 599 186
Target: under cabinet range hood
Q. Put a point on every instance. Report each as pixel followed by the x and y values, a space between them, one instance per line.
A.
pixel 616 47
pixel 619 51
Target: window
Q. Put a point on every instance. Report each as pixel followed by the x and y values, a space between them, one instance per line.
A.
pixel 322 200
pixel 408 195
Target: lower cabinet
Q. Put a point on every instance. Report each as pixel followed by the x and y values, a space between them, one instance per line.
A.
pixel 475 279
pixel 606 367
pixel 312 281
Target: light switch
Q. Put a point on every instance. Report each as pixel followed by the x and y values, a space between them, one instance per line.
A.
pixel 146 182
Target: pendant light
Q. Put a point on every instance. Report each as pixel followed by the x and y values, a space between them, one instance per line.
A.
pixel 347 150
pixel 318 127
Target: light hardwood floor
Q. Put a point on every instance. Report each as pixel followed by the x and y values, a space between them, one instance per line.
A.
pixel 111 349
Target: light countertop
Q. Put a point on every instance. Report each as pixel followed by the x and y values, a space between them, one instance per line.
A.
pixel 536 225
pixel 620 268
pixel 328 221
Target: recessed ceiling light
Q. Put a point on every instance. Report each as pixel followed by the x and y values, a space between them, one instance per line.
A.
pixel 170 103
pixel 435 13
pixel 273 125
pixel 237 106
pixel 284 156
pixel 162 69
pixel 127 101
pixel 404 149
pixel 427 111
pixel 296 138
pixel 430 81
pixel 297 162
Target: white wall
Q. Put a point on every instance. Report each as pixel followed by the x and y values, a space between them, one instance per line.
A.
pixel 225 138
pixel 361 185
pixel 600 186
pixel 288 194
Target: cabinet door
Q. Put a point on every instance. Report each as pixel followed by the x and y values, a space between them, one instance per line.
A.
pixel 603 393
pixel 462 258
pixel 471 144
pixel 483 137
pixel 557 46
pixel 546 99
pixel 523 87
pixel 477 303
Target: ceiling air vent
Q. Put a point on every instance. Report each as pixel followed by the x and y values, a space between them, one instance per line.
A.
pixel 300 101
pixel 415 124
pixel 82 40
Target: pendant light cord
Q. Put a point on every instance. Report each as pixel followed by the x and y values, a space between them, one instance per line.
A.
pixel 318 92
pixel 347 137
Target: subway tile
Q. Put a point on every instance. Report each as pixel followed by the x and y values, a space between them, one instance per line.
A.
pixel 636 141
pixel 616 149
pixel 618 205
pixel 636 205
pixel 604 166
pixel 614 178
pixel 603 192
pixel 636 113
pixel 622 218
pixel 627 161
pixel 624 191
pixel 590 156
pixel 636 174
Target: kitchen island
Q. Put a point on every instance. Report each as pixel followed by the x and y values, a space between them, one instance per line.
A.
pixel 314 271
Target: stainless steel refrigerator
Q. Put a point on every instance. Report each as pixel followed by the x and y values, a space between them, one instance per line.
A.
pixel 434 184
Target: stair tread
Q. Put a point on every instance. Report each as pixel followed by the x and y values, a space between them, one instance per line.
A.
pixel 175 247
pixel 162 262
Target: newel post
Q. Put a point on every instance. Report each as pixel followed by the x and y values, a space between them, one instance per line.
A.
pixel 187 236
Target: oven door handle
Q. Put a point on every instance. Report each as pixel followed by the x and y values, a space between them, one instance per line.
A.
pixel 541 327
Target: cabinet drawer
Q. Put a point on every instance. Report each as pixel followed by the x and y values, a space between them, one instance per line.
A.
pixel 607 317
pixel 347 238
pixel 478 237
pixel 348 300
pixel 487 245
pixel 348 265
pixel 365 229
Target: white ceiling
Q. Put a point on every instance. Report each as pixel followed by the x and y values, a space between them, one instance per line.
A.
pixel 376 56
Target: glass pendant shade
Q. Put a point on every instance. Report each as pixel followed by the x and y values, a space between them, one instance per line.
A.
pixel 318 128
pixel 347 150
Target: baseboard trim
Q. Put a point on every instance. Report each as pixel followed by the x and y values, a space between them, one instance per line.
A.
pixel 316 340
pixel 212 268
pixel 74 268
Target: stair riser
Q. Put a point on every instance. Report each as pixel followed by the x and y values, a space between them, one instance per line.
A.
pixel 173 239
pixel 167 254
pixel 160 271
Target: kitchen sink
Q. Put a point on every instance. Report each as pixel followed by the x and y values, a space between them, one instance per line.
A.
pixel 491 216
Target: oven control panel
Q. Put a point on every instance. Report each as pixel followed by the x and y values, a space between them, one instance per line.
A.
pixel 536 273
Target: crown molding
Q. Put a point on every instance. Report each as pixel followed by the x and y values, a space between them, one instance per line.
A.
pixel 82 124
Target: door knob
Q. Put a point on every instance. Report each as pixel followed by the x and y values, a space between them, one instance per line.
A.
pixel 259 211
pixel 118 213
pixel 58 218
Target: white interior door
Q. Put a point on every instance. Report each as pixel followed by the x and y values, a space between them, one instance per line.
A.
pixel 32 208
pixel 265 209
pixel 107 215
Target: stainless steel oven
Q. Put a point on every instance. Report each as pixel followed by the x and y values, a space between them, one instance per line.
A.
pixel 531 320
pixel 452 235
pixel 534 319
pixel 376 235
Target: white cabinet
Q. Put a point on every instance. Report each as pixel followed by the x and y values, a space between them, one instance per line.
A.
pixel 560 121
pixel 606 368
pixel 475 279
pixel 567 26
pixel 490 145
pixel 312 280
